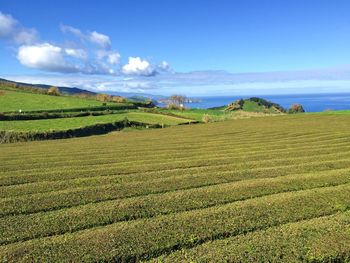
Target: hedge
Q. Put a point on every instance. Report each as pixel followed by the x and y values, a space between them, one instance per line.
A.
pixel 53 115
pixel 124 106
pixel 96 129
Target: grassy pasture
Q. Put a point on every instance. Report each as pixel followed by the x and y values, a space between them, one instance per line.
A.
pixel 27 101
pixel 250 110
pixel 71 123
pixel 250 190
pixel 197 114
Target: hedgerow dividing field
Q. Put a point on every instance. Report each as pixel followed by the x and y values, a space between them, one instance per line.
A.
pixel 261 189
pixel 76 122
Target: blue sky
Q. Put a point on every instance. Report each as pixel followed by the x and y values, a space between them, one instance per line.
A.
pixel 179 46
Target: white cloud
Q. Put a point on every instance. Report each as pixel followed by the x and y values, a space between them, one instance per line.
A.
pixel 93 37
pixel 206 83
pixel 112 57
pixel 7 24
pixel 137 66
pixel 45 57
pixel 72 30
pixel 54 58
pixel 100 39
pixel 25 36
pixel 11 29
pixel 77 53
pixel 164 66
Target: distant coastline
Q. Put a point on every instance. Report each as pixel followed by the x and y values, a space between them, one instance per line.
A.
pixel 311 102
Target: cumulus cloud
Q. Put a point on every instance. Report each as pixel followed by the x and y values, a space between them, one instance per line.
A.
pixel 54 58
pixel 112 57
pixel 90 52
pixel 163 66
pixel 77 53
pixel 138 67
pixel 12 30
pixel 45 57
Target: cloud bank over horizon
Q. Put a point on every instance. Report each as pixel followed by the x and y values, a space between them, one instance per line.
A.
pixel 205 83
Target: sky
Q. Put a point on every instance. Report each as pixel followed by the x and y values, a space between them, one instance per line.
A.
pixel 191 47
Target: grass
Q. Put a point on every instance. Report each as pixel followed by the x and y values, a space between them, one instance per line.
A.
pixel 196 114
pixel 340 112
pixel 251 109
pixel 315 239
pixel 71 123
pixel 252 106
pixel 248 190
pixel 26 101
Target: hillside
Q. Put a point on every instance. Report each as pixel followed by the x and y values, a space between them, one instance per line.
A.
pixel 65 90
pixel 198 193
pixel 28 115
pixel 26 101
pixel 255 105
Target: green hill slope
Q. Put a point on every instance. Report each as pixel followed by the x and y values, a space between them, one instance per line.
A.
pixel 27 101
pixel 9 84
pixel 255 105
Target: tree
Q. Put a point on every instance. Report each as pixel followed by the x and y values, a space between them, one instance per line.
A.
pixel 296 108
pixel 54 91
pixel 206 118
pixel 237 105
pixel 177 101
pixel 118 99
pixel 103 97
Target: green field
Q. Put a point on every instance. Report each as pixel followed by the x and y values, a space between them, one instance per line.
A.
pixel 72 123
pixel 197 114
pixel 273 189
pixel 26 101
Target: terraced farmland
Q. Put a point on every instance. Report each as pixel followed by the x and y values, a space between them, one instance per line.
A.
pixel 261 189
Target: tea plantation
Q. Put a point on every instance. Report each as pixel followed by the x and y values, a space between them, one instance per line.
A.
pixel 272 189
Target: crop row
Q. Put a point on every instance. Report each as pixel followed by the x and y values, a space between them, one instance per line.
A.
pixel 147 238
pixel 121 170
pixel 22 227
pixel 206 175
pixel 135 146
pixel 82 195
pixel 30 165
pixel 324 239
pixel 211 130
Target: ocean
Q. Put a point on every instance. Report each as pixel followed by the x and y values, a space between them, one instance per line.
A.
pixel 310 102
